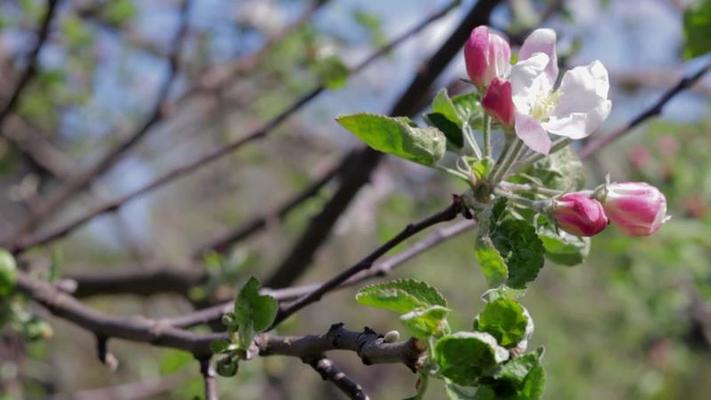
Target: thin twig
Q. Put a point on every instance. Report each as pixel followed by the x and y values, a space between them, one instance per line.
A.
pixel 329 372
pixel 380 269
pixel 24 242
pixel 366 263
pixel 31 70
pixel 656 109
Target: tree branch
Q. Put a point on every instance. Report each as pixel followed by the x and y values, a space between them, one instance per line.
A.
pixel 656 109
pixel 297 260
pixel 369 346
pixel 22 243
pixel 208 376
pixel 330 372
pixel 139 281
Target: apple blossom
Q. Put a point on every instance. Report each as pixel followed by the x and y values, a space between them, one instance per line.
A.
pixel 579 214
pixel 487 55
pixel 575 110
pixel 637 208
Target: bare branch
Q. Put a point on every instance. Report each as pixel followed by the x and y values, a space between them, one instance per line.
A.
pixel 656 109
pixel 298 259
pixel 369 346
pixel 208 376
pixel 366 263
pixel 330 372
pixel 140 281
pixel 23 243
pixel 31 69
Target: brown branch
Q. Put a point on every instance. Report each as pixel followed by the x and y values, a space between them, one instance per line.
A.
pixel 31 70
pixel 329 372
pixel 24 242
pixel 366 263
pixel 208 377
pixel 298 259
pixel 368 345
pixel 139 281
pixel 85 179
pixel 655 110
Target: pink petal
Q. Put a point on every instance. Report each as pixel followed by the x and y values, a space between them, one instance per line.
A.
pixel 531 132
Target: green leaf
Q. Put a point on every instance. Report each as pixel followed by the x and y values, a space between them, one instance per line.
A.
pixel 464 357
pixel 516 370
pixel 397 136
pixel 697 29
pixel 373 24
pixel 480 168
pixel 563 248
pixel 443 105
pixel 492 265
pixel 521 378
pixel 423 323
pixel 227 365
pixel 332 72
pixel 518 244
pixel 468 108
pixel 457 392
pixel 504 319
pixel 253 312
pixel 450 129
pixel 533 385
pixel 118 12
pixel 401 296
pixel 218 346
pixel 7 273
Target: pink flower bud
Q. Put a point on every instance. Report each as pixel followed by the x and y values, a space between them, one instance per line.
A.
pixel 637 208
pixel 579 214
pixel 497 101
pixel 487 56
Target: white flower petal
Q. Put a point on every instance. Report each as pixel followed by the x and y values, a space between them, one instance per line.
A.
pixel 542 41
pixel 528 82
pixel 578 125
pixel 531 132
pixel 582 104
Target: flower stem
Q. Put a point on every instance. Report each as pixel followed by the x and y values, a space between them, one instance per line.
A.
pixel 470 142
pixel 508 161
pixel 487 136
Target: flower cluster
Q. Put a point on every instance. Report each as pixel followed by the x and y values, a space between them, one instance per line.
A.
pixel 522 97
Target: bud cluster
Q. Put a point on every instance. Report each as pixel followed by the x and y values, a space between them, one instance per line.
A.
pixel 636 208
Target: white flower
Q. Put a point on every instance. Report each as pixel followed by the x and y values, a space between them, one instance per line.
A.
pixel 575 110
